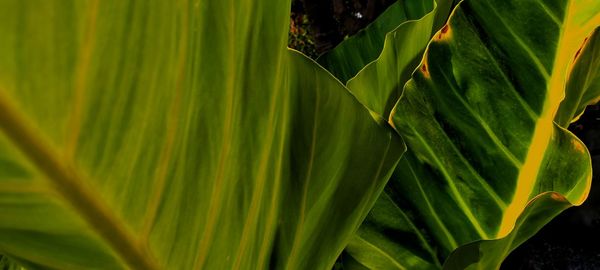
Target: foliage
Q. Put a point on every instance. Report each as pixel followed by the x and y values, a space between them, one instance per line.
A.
pixel 179 135
pixel 186 135
pixel 7 264
pixel 478 167
pixel 299 37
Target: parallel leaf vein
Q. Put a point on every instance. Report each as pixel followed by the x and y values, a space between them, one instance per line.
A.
pixel 434 214
pixel 536 60
pixel 485 126
pixel 454 190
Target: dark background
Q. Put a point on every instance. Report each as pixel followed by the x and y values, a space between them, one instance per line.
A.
pixel 571 240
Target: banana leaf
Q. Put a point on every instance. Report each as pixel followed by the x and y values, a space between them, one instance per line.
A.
pixel 176 135
pixel 486 165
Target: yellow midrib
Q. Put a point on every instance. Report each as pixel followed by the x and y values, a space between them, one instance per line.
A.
pixel 571 37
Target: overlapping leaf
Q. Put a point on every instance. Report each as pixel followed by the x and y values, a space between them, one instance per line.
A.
pixel 405 27
pixel 176 135
pixel 483 148
pixel 583 86
pixel 350 56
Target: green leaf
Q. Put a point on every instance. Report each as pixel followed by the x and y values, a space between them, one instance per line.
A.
pixel 583 86
pixel 401 54
pixel 397 59
pixel 477 117
pixel 569 174
pixel 349 57
pixel 7 264
pixel 339 136
pixel 490 253
pixel 177 135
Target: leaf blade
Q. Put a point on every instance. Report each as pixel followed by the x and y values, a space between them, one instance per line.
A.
pixel 191 134
pixel 480 75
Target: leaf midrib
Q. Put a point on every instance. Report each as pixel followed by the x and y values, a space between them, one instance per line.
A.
pixel 568 43
pixel 70 184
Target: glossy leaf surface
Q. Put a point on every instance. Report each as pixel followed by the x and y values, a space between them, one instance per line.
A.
pixel 478 120
pixel 176 135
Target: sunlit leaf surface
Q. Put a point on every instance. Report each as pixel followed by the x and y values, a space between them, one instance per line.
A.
pixel 176 135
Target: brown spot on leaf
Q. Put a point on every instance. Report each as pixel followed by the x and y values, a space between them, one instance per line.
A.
pixel 424 69
pixel 577 53
pixel 445 29
pixel 558 197
pixel 581 48
pixel 443 32
pixel 424 66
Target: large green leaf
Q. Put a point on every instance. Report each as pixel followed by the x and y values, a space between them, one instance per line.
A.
pixel 397 22
pixel 400 56
pixel 320 213
pixel 583 86
pixel 179 135
pixel 477 117
pixel 489 254
pixel 351 55
pixel 397 59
